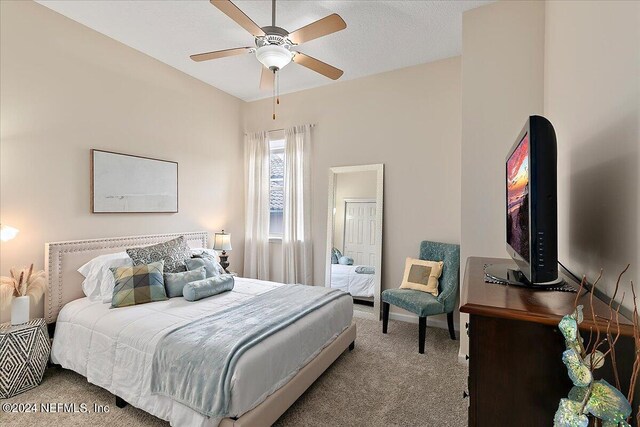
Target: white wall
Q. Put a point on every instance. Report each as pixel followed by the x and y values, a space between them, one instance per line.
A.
pixel 592 97
pixel 578 63
pixel 67 89
pixel 409 120
pixel 502 84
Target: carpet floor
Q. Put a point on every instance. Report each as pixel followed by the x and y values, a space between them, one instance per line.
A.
pixel 382 382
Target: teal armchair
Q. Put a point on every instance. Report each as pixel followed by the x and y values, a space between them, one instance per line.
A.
pixel 422 303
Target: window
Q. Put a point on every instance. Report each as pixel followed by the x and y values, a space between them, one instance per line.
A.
pixel 276 186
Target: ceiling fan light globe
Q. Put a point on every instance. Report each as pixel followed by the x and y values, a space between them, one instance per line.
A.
pixel 274 57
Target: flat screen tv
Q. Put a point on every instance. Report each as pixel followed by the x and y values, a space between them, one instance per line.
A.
pixel 532 208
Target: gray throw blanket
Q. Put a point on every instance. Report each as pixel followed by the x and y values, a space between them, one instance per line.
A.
pixel 365 269
pixel 194 363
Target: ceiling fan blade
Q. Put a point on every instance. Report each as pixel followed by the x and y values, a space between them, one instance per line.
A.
pixel 322 27
pixel 219 54
pixel 266 79
pixel 233 12
pixel 317 66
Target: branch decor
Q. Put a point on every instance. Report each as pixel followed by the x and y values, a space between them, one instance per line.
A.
pixel 592 400
pixel 22 282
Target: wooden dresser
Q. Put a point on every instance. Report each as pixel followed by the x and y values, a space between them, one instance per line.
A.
pixel 516 374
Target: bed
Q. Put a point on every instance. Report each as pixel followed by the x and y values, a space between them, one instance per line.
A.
pixel 113 348
pixel 345 278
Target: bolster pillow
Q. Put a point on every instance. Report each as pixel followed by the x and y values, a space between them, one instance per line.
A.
pixel 194 291
pixel 365 269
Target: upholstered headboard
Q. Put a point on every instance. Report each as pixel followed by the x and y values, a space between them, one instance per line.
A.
pixel 62 260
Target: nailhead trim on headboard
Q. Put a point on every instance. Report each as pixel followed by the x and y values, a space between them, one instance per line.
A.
pixel 54 252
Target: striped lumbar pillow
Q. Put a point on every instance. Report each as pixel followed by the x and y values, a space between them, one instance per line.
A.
pixel 138 284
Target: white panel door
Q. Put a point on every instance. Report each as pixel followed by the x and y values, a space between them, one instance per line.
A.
pixel 360 232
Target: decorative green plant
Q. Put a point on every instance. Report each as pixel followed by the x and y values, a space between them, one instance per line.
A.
pixel 592 399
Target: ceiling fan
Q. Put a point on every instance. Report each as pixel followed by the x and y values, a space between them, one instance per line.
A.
pixel 274 45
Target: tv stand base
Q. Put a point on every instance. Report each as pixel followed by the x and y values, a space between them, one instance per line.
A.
pixel 504 274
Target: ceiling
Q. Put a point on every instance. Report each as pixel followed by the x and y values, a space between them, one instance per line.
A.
pixel 380 36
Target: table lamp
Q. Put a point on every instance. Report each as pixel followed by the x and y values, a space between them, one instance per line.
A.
pixel 222 242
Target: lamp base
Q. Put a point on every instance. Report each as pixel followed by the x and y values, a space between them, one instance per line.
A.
pixel 223 261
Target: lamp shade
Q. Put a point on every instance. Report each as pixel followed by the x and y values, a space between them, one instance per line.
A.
pixel 222 241
pixel 274 56
pixel 7 232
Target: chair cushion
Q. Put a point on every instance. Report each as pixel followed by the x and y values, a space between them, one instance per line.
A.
pixel 421 303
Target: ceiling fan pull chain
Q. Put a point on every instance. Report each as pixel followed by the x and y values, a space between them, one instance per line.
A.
pixel 273 99
pixel 278 88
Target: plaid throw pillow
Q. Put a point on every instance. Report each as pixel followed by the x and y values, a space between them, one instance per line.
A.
pixel 174 253
pixel 422 275
pixel 138 284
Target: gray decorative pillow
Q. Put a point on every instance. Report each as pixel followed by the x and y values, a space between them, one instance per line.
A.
pixel 335 255
pixel 209 265
pixel 174 253
pixel 345 260
pixel 213 259
pixel 175 282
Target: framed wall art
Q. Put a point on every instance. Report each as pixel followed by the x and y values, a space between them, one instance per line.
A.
pixel 123 183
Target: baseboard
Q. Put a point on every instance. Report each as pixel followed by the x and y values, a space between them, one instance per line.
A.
pixel 364 314
pixel 431 322
pixel 409 318
pixel 462 358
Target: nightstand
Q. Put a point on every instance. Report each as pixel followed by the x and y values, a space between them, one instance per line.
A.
pixel 24 352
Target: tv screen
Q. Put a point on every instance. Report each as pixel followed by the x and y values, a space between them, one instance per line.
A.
pixel 531 206
pixel 518 199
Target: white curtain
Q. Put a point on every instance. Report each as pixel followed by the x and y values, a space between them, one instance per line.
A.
pixel 256 251
pixel 297 261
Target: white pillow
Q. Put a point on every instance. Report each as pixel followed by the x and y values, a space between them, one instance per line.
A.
pixel 98 277
pixel 108 281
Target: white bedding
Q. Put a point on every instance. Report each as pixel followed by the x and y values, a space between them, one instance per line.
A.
pixel 345 278
pixel 114 348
